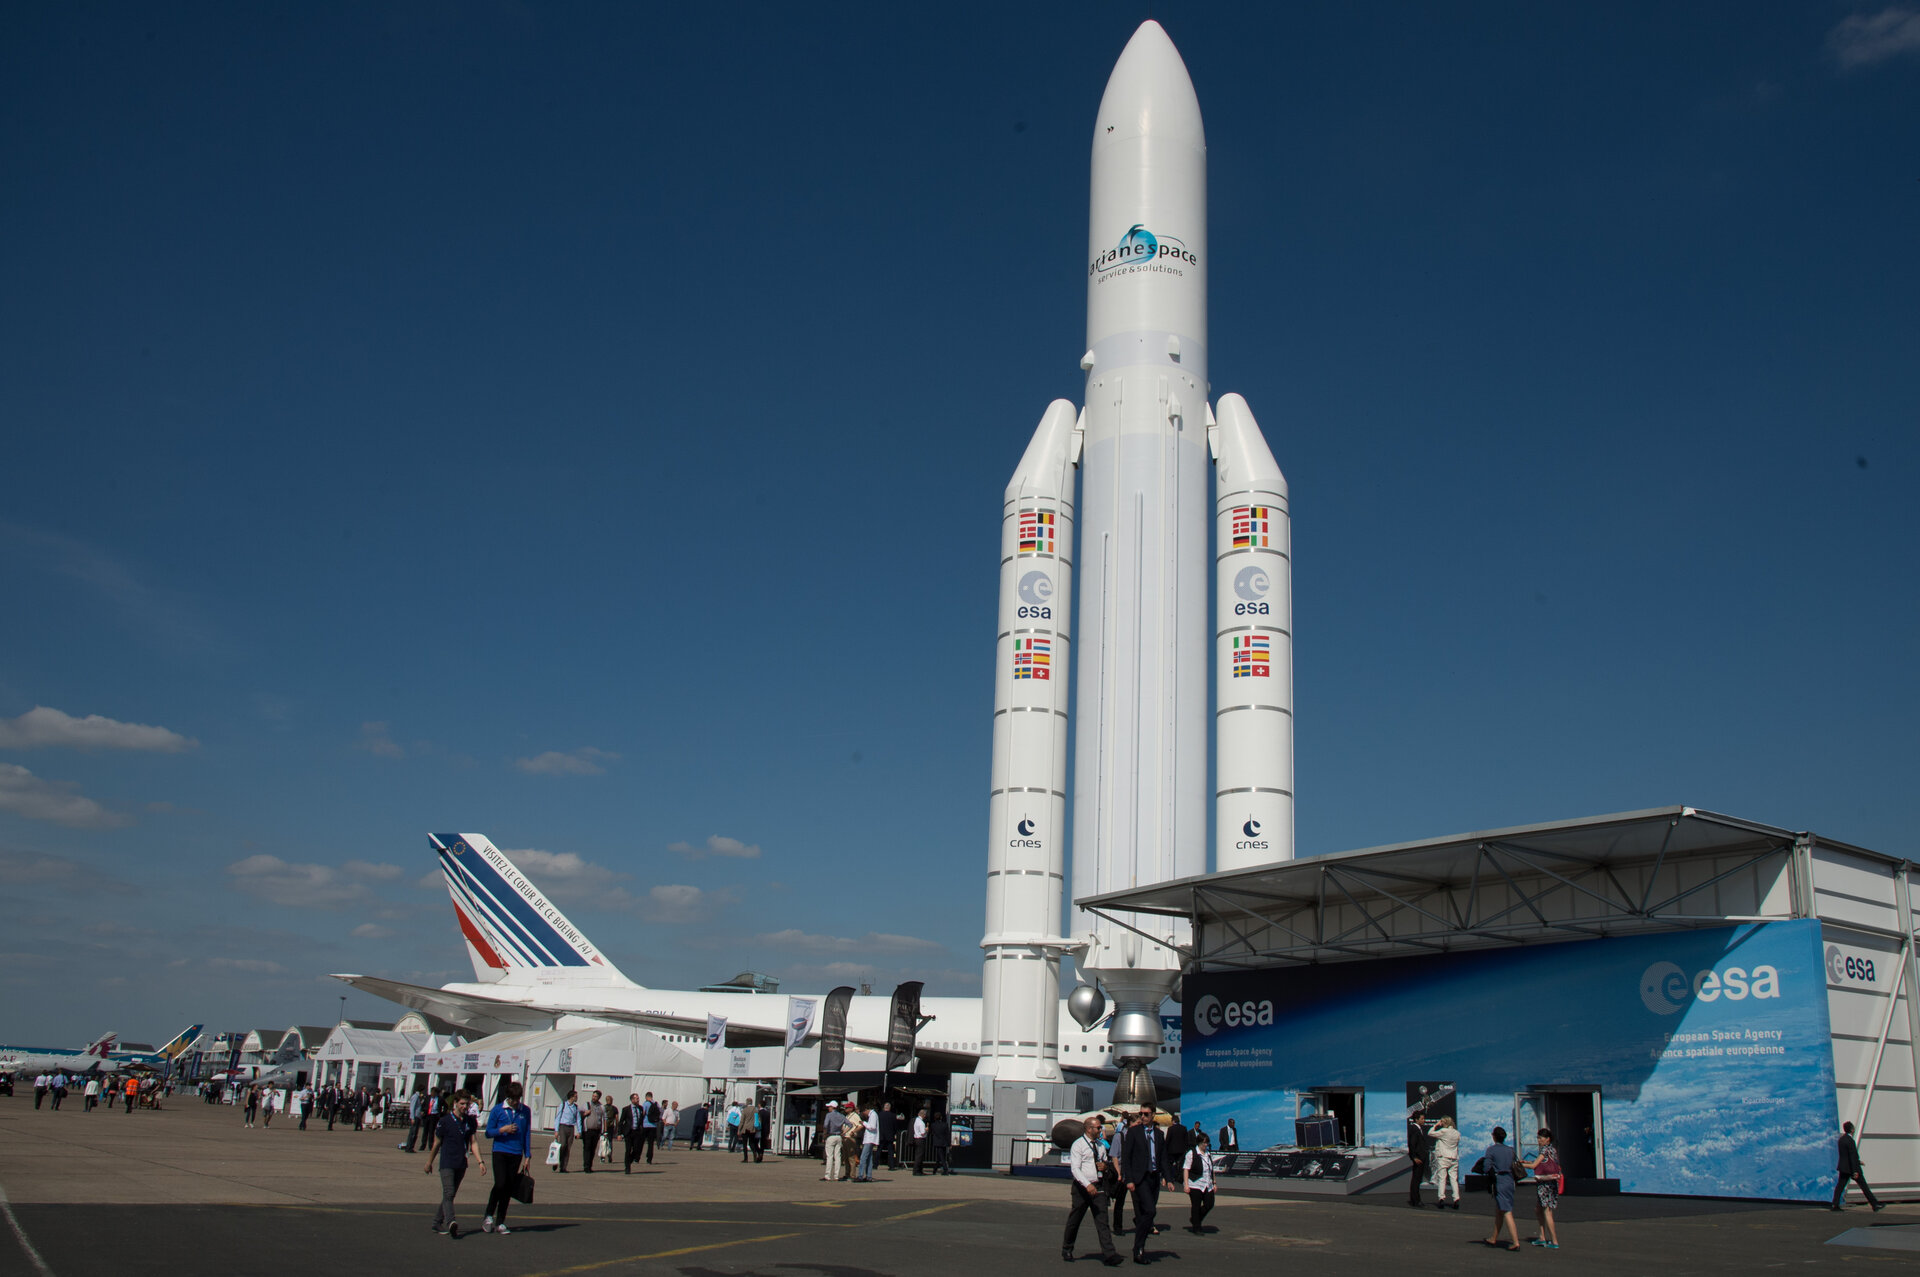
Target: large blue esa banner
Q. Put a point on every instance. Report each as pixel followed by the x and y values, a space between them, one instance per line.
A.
pixel 1708 1050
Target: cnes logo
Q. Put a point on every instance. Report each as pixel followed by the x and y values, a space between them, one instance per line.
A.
pixel 1210 1014
pixel 1666 989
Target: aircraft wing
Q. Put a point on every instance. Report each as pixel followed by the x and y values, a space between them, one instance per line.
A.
pixel 470 1011
pixel 478 1014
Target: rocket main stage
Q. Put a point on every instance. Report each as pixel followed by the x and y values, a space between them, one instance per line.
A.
pixel 1144 446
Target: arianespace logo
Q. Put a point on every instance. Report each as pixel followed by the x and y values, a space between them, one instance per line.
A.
pixel 1210 1014
pixel 1666 990
pixel 1140 247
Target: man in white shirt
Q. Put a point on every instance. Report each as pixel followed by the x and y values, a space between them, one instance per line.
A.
pixel 920 1142
pixel 1088 1156
pixel 869 1144
pixel 835 1127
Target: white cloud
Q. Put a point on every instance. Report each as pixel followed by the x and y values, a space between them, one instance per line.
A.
pixel 585 761
pixel 717 845
pixel 25 794
pixel 275 881
pixel 45 728
pixel 1862 40
pixel 375 740
pixel 33 869
pixel 680 903
pixel 872 942
pixel 371 931
pixel 379 873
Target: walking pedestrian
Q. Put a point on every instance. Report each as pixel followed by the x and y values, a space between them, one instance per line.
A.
pixel 920 1142
pixel 253 1102
pixel 450 1146
pixel 41 1085
pixel 1498 1162
pixel 853 1139
pixel 1229 1138
pixel 1089 1165
pixel 762 1131
pixel 889 1135
pixel 1143 1151
pixel 59 1089
pixel 591 1119
pixel 92 1093
pixel 510 1127
pixel 1446 1164
pixel 631 1117
pixel 1548 1180
pixel 1851 1170
pixel 133 1091
pixel 669 1125
pixel 733 1126
pixel 566 1126
pixel 1197 1171
pixel 649 1126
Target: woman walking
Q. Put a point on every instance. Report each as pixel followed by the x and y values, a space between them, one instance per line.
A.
pixel 253 1102
pixel 1446 1163
pixel 1549 1179
pixel 510 1127
pixel 451 1144
pixel 1498 1162
pixel 1198 1174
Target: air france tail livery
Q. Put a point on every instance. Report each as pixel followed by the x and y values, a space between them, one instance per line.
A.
pixel 532 966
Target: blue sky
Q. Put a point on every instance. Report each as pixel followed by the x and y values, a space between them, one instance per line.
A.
pixel 586 425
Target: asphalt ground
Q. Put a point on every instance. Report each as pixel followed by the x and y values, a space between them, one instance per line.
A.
pixel 190 1188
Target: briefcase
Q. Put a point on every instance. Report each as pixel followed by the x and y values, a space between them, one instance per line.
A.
pixel 523 1189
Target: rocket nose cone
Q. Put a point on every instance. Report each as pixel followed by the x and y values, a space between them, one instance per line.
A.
pixel 1149 93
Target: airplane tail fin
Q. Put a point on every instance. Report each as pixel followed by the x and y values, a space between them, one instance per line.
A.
pixel 182 1040
pixel 514 934
pixel 102 1047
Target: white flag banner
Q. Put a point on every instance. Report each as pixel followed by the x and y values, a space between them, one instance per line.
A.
pixel 716 1030
pixel 800 1019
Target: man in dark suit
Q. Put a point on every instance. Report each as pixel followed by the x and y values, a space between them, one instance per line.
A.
pixel 1143 1164
pixel 1179 1144
pixel 630 1119
pixel 1417 1145
pixel 1852 1170
pixel 1229 1138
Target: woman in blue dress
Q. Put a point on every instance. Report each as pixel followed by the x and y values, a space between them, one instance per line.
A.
pixel 1497 1162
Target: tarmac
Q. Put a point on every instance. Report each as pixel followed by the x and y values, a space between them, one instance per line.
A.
pixel 191 1188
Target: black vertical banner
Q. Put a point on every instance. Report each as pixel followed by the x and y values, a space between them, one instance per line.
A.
pixel 903 1024
pixel 833 1030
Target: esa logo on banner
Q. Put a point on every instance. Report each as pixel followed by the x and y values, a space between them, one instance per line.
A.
pixel 1210 1014
pixel 1666 990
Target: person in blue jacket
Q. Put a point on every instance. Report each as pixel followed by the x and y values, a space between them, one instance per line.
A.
pixel 510 1127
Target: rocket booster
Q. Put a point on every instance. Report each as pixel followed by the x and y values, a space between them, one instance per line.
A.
pixel 1157 469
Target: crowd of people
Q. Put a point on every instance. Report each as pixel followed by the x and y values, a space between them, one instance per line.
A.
pixel 1137 1162
pixel 95 1089
pixel 855 1137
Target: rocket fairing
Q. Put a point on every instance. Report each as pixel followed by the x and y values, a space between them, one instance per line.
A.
pixel 1145 443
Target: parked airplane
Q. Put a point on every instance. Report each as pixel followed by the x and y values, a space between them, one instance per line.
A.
pixel 532 965
pixel 93 1057
pixel 180 1044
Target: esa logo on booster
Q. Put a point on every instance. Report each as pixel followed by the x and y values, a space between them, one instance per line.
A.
pixel 1036 596
pixel 1210 1014
pixel 1251 584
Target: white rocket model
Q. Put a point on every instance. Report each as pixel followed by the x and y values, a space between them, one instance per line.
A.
pixel 1144 443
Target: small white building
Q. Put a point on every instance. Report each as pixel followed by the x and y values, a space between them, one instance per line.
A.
pixel 353 1058
pixel 617 1060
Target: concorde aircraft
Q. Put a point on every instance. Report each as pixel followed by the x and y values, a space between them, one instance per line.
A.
pixel 532 966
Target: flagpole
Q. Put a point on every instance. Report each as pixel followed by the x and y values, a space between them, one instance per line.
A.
pixel 777 1127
